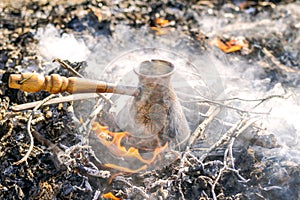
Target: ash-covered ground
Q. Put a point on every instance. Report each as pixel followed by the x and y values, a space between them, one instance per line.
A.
pixel 253 80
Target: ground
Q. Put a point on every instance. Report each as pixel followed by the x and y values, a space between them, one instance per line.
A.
pixel 61 165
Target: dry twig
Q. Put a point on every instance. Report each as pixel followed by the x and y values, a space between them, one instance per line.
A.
pixel 234 131
pixel 68 67
pixel 25 157
pixel 228 106
pixel 259 99
pixel 73 97
pixel 140 190
pixel 96 195
pixel 211 113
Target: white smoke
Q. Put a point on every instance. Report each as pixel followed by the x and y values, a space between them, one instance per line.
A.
pixel 282 110
pixel 279 116
pixel 241 79
pixel 54 44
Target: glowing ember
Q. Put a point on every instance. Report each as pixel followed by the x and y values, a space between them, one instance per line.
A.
pixel 113 140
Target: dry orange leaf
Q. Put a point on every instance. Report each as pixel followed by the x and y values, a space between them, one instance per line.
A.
pixel 161 22
pixel 229 46
pixel 111 196
pixel 159 31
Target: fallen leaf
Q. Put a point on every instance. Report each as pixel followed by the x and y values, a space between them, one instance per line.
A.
pixel 229 46
pixel 159 31
pixel 161 22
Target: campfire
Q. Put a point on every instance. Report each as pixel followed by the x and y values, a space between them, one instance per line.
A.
pixel 155 120
pixel 113 142
pixel 149 100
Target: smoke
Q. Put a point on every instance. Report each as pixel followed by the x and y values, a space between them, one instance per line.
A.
pixel 282 110
pixel 200 76
pixel 54 44
pixel 104 56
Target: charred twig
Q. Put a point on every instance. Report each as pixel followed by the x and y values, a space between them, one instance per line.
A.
pixel 226 166
pixel 230 152
pixel 205 196
pixel 213 186
pixel 141 191
pixel 96 195
pixel 180 189
pixel 219 102
pixel 230 147
pixel 68 67
pixel 228 106
pixel 194 158
pixel 229 137
pixel 29 129
pixel 211 113
pixel 232 132
pixel 88 123
pixel 270 97
pixel 259 99
pixel 221 172
pixel 73 97
pixel 179 183
pixel 52 147
pixel 242 179
pixel 94 171
pixel 68 159
pixel 276 62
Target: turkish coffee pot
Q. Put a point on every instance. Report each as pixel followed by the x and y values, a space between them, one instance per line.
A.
pixel 154 115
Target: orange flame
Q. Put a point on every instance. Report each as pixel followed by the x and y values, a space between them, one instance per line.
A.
pixel 112 140
pixel 125 169
pixel 111 196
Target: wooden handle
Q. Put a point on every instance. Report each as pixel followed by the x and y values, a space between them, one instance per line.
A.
pixel 33 82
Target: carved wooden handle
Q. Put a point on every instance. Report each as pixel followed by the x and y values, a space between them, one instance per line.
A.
pixel 33 82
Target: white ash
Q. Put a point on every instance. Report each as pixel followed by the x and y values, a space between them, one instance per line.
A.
pixel 241 79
